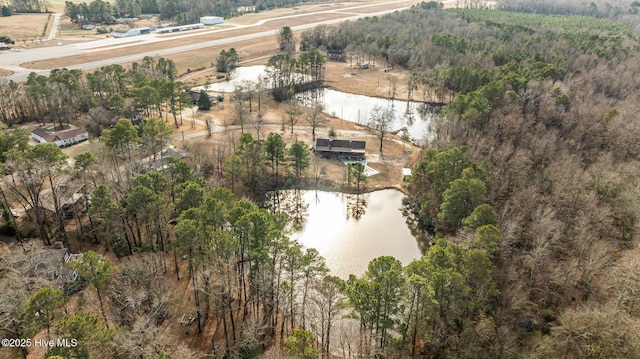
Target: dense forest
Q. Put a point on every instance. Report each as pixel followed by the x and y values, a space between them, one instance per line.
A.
pixel 525 197
pixel 538 141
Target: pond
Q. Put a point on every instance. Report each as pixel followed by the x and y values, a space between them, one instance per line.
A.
pixel 349 230
pixel 415 117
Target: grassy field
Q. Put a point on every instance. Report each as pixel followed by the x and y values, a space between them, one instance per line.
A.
pixel 29 27
pixel 58 5
pixel 24 26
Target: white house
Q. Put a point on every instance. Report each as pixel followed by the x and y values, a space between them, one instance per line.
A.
pixel 211 20
pixel 60 138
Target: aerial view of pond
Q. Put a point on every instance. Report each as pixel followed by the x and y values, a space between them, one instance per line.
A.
pixel 414 116
pixel 348 230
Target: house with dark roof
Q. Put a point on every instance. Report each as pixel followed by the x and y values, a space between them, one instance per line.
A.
pixel 61 138
pixel 71 200
pixel 51 264
pixel 351 150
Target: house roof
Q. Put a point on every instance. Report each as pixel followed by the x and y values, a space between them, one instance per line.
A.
pixel 44 133
pixel 45 263
pixel 50 136
pixel 68 196
pixel 335 145
pixel 65 135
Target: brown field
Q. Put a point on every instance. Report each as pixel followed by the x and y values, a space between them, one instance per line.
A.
pixel 25 27
pixel 58 5
pixel 4 72
pixel 338 75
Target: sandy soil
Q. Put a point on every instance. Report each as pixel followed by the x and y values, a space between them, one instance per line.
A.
pixel 4 72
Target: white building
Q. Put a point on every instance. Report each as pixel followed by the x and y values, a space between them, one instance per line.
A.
pixel 245 9
pixel 61 138
pixel 406 173
pixel 211 20
pixel 124 32
pixel 168 30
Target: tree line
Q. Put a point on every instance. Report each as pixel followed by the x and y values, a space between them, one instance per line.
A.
pixel 179 11
pixel 63 96
pixel 25 6
pixel 428 41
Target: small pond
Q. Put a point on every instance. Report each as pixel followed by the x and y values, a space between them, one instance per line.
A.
pixel 349 230
pixel 414 116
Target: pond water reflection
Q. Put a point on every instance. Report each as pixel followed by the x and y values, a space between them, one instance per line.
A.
pixel 349 230
pixel 416 117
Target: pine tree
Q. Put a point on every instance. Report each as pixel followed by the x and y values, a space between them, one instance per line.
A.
pixel 204 103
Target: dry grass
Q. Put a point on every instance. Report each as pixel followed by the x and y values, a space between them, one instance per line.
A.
pixel 58 5
pixel 24 26
pixel 4 72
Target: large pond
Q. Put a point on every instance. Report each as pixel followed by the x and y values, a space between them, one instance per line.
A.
pixel 415 117
pixel 350 230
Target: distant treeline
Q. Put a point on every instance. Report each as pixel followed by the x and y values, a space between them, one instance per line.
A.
pixel 25 6
pixel 600 9
pixel 179 11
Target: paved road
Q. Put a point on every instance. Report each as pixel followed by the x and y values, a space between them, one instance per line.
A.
pixel 11 60
pixel 54 27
